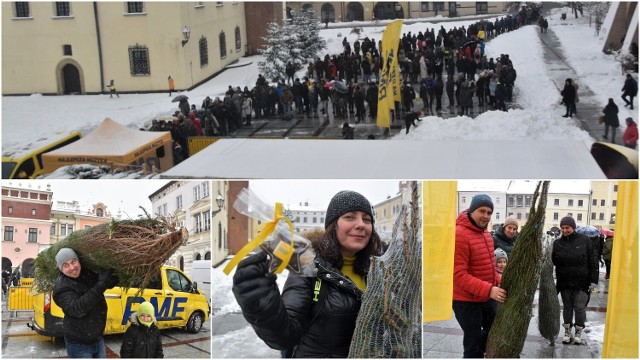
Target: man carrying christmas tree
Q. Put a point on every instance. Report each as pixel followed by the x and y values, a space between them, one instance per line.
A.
pixel 80 293
pixel 576 274
pixel 475 279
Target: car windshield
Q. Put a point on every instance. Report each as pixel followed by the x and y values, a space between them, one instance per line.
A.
pixel 7 168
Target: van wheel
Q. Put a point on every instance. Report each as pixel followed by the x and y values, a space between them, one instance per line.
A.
pixel 195 322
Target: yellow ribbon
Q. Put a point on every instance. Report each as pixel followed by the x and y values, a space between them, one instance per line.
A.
pixel 283 250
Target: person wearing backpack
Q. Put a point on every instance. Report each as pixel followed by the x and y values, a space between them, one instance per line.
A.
pixel 629 89
pixel 314 317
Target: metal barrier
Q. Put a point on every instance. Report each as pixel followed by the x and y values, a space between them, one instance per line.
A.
pixel 197 143
pixel 19 298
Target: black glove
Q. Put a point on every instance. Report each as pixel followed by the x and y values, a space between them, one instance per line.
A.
pixel 254 287
pixel 107 278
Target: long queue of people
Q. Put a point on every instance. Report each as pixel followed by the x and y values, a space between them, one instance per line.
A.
pixel 348 81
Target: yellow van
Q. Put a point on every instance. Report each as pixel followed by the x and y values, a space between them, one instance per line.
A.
pixel 21 164
pixel 177 300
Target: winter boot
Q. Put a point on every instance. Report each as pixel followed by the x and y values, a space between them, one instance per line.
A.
pixel 577 339
pixel 567 334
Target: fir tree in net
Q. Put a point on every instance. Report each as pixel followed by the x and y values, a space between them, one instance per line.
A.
pixel 389 321
pixel 548 304
pixel 520 280
pixel 135 249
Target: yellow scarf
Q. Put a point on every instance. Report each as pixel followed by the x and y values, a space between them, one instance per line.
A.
pixel 347 270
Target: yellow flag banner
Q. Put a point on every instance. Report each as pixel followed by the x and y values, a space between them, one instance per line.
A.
pixel 438 247
pixel 621 323
pixel 394 79
pixel 390 41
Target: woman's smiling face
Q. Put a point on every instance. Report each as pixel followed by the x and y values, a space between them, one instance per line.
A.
pixel 354 232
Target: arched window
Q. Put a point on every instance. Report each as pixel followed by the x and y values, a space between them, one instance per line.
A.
pixel 99 213
pixel 204 53
pixel 198 257
pixel 238 39
pixel 223 45
pixel 327 13
pixel 207 255
pixel 355 12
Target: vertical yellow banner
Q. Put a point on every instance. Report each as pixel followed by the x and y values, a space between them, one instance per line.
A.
pixel 386 91
pixel 621 324
pixel 438 247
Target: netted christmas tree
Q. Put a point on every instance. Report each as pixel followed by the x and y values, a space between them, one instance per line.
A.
pixel 520 280
pixel 389 322
pixel 548 304
pixel 135 249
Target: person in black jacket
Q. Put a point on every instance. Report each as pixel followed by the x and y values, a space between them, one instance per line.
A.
pixel 568 98
pixel 142 339
pixel 80 294
pixel 576 274
pixel 314 317
pixel 610 120
pixel 506 235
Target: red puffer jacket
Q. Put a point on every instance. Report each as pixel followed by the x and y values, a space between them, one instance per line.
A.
pixel 474 269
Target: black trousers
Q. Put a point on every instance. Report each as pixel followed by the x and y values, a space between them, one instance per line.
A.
pixel 475 319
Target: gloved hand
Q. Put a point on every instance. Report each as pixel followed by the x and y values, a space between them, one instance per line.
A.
pixel 254 288
pixel 108 278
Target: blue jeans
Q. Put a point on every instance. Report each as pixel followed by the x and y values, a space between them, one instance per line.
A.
pixel 95 350
pixel 475 319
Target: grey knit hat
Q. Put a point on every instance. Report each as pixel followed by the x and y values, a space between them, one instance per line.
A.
pixel 500 254
pixel 346 201
pixel 65 254
pixel 479 201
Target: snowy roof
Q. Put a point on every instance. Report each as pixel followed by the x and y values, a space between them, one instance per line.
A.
pixel 483 185
pixel 570 187
pixel 522 187
pixel 242 159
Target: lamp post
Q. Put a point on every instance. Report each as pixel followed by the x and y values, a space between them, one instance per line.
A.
pixel 220 203
pixel 186 33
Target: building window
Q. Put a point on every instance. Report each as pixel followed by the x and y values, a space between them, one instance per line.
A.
pixel 135 7
pixel 519 216
pixel 99 212
pixel 33 212
pixel 66 50
pixel 63 8
pixel 8 233
pixel 179 202
pixel 69 229
pixel 556 202
pixel 579 217
pixel 22 9
pixel 464 199
pixel 497 199
pixel 615 188
pixel 602 202
pixel 595 202
pixel 601 217
pixel 519 200
pixel 315 220
pixel 223 45
pixel 139 60
pixel 53 229
pixel 555 216
pixel 511 201
pixel 205 189
pixel 159 211
pixel 206 216
pixel 33 235
pixel 63 229
pixel 614 203
pixel 593 216
pixel 570 202
pixel 219 235
pixel 580 203
pixel 526 216
pixel 482 8
pixel 197 223
pixel 238 39
pixel 197 195
pixel 497 216
pixel 438 5
pixel 304 220
pixel 164 209
pixel 424 6
pixel 204 53
pixel 10 209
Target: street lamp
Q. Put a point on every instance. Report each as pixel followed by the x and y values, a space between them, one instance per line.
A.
pixel 185 35
pixel 220 203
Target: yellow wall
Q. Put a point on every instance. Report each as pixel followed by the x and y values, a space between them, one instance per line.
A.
pixel 32 48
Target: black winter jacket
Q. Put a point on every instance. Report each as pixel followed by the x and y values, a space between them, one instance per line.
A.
pixel 500 240
pixel 291 324
pixel 576 262
pixel 84 306
pixel 140 341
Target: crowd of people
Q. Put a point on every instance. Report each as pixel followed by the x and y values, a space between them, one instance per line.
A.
pixel 346 84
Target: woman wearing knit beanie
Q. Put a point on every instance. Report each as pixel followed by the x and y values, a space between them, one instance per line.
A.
pixel 314 317
pixel 506 235
pixel 142 339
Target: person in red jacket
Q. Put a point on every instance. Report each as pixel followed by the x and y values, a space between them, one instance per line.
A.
pixel 630 137
pixel 475 278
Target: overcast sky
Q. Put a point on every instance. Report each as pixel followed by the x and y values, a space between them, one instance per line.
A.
pixel 124 195
pixel 319 192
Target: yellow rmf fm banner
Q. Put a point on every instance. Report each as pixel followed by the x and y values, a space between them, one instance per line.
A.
pixel 621 324
pixel 387 86
pixel 438 247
